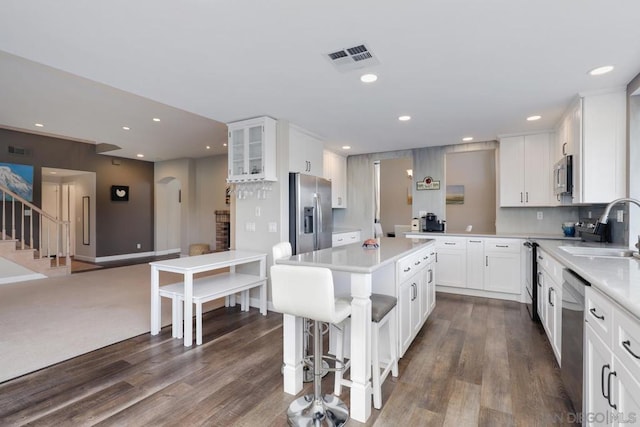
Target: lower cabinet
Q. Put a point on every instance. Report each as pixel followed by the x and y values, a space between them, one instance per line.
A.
pixel 550 300
pixel 502 266
pixel 416 295
pixel 611 363
pixel 452 261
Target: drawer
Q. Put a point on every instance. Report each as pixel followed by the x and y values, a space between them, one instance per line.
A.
pixel 413 263
pixel 503 245
pixel 451 242
pixel 598 313
pixel 626 340
pixel 340 239
pixel 550 265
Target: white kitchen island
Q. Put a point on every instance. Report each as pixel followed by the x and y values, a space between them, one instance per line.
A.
pixel 360 264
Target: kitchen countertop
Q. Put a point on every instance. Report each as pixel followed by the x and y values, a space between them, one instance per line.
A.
pixel 354 258
pixel 532 236
pixel 619 278
pixel 337 230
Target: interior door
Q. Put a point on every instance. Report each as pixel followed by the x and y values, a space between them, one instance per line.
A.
pixel 51 204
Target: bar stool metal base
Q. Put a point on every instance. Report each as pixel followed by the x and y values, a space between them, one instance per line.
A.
pixel 328 411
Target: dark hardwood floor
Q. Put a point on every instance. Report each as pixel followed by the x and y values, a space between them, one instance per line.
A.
pixel 476 362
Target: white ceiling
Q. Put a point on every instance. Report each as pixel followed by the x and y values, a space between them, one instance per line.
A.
pixel 459 68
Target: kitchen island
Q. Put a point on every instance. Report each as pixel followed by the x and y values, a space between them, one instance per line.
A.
pixel 360 263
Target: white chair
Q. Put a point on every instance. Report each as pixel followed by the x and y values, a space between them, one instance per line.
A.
pixel 281 250
pixel 382 315
pixel 308 292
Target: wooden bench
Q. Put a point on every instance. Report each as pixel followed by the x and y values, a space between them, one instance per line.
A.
pixel 209 288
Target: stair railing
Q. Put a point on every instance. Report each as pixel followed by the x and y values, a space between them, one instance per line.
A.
pixel 11 202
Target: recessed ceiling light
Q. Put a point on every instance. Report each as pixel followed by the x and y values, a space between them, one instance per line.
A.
pixel 155 119
pixel 533 118
pixel 40 125
pixel 139 155
pixel 224 145
pixel 346 147
pixel 208 147
pixel 126 128
pixel 601 70
pixel 368 78
pixel 404 118
pixel 467 138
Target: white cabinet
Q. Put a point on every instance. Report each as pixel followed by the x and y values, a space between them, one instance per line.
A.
pixel 305 152
pixel 503 266
pixel 252 150
pixel 525 171
pixel 550 299
pixel 416 294
pixel 341 239
pixel 475 263
pixel 611 362
pixel 335 170
pixel 451 257
pixel 594 132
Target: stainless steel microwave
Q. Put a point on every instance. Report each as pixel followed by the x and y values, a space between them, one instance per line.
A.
pixel 563 176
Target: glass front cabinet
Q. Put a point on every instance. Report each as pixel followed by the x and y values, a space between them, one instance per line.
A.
pixel 252 150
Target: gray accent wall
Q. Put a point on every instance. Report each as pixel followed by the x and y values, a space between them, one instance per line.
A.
pixel 119 225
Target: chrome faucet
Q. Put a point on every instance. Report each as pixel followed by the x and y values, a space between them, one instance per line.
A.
pixel 604 218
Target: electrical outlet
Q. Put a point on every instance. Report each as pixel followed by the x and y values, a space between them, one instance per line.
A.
pixel 273 227
pixel 257 210
pixel 620 215
pixel 138 245
pixel 539 215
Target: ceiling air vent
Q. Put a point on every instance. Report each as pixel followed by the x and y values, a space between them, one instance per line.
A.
pixel 352 58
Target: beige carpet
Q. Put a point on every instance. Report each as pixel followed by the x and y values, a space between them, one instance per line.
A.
pixel 46 321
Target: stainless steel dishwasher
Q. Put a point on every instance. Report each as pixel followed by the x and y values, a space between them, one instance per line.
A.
pixel 573 290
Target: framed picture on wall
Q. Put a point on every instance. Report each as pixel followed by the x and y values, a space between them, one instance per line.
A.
pixel 18 179
pixel 119 193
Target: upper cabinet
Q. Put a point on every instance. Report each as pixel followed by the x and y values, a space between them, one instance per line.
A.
pixel 597 141
pixel 305 152
pixel 252 150
pixel 335 170
pixel 525 170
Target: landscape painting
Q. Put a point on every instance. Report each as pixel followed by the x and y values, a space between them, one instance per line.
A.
pixel 18 179
pixel 455 194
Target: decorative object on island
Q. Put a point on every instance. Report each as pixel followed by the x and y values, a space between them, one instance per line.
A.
pixel 428 183
pixel 119 193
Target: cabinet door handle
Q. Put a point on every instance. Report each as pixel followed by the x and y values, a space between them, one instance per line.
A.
pixel 416 263
pixel 486 261
pixel 539 278
pixel 502 246
pixel 564 151
pixel 613 405
pixel 602 381
pixel 449 243
pixel 540 257
pixel 475 241
pixel 407 269
pixel 526 196
pixel 436 256
pixel 593 312
pixel 627 346
pixel 521 197
pixel 550 302
pixel 430 275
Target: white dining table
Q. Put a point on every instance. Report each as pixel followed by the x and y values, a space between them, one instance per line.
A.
pixel 360 263
pixel 188 266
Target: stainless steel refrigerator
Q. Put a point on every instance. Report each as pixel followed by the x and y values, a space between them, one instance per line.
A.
pixel 310 215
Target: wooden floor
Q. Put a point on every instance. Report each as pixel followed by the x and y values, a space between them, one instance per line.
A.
pixel 476 362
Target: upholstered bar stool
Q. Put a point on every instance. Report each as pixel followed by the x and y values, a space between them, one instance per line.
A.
pixel 308 292
pixel 383 316
pixel 283 250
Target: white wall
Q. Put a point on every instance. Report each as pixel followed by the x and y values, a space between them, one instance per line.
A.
pixel 633 172
pixel 395 209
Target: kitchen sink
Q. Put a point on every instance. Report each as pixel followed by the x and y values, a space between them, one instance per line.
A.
pixel 597 252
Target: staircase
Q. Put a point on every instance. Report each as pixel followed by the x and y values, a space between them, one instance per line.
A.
pixel 22 241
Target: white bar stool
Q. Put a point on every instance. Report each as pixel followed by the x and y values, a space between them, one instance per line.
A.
pixel 308 292
pixel 382 314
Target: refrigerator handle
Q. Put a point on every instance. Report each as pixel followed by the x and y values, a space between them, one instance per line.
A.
pixel 318 220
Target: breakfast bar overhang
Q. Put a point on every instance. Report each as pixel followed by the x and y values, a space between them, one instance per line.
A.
pixel 360 263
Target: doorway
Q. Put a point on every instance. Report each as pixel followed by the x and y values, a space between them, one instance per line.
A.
pixel 394 180
pixel 471 192
pixel 69 195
